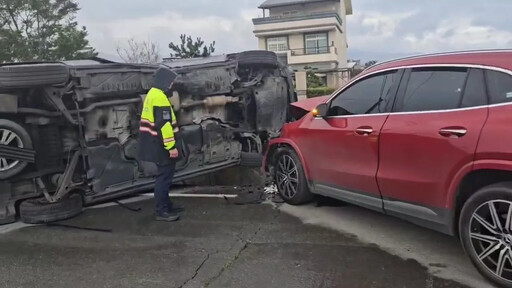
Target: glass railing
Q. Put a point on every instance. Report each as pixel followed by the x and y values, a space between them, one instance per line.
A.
pixel 297 16
pixel 314 50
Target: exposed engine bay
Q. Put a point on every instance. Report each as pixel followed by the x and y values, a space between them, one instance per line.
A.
pixel 72 127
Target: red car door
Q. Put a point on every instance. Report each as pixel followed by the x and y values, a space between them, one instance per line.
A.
pixel 441 113
pixel 341 150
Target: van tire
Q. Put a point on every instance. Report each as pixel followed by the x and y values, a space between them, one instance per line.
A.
pixel 27 143
pixel 251 159
pixel 40 211
pixel 33 75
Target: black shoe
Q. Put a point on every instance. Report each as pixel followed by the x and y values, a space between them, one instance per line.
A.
pixel 176 208
pixel 167 217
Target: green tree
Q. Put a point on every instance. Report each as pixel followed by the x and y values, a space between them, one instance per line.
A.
pixel 312 80
pixel 41 30
pixel 188 48
pixel 370 63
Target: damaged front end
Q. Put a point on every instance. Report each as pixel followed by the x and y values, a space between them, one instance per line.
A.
pixel 236 90
pixel 242 97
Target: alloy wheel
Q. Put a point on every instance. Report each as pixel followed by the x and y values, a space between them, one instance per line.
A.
pixel 9 138
pixel 490 232
pixel 287 176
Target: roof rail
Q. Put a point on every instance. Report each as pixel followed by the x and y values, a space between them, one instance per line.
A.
pixel 439 54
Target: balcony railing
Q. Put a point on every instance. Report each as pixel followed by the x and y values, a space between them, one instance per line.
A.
pixel 314 51
pixel 297 17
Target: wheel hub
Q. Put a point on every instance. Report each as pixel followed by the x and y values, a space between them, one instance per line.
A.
pixel 9 138
pixel 287 176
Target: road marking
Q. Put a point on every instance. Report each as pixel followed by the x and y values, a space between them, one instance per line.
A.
pixel 148 196
pixel 4 229
pixel 125 201
pixel 176 195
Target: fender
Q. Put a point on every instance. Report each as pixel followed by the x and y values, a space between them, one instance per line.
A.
pixel 485 164
pixel 289 142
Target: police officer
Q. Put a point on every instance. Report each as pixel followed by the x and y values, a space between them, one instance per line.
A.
pixel 158 130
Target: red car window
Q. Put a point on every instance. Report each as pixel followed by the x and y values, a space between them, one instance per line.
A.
pixel 500 87
pixel 367 96
pixel 431 89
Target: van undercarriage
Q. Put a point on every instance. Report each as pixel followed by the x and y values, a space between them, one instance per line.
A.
pixel 72 127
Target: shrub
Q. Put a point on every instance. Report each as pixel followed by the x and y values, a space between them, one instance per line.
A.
pixel 319 91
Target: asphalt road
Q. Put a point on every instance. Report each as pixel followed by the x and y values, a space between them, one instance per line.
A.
pixel 216 244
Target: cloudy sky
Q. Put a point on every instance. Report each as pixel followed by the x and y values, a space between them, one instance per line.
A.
pixel 379 29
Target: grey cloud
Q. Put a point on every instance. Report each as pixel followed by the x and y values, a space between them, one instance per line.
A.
pixel 430 28
pixel 436 26
pixel 113 9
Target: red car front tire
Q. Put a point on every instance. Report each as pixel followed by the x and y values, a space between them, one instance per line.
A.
pixel 290 178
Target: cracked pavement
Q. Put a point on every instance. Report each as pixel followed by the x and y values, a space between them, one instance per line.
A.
pixel 214 245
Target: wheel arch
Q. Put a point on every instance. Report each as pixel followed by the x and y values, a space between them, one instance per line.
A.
pixel 468 181
pixel 273 149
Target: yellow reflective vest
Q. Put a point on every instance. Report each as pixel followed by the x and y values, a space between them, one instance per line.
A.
pixel 158 128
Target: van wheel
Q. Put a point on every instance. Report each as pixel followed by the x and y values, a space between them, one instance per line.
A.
pixel 248 159
pixel 290 178
pixel 12 135
pixel 485 229
pixel 33 75
pixel 39 211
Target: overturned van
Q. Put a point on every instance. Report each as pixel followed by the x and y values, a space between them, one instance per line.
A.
pixel 69 130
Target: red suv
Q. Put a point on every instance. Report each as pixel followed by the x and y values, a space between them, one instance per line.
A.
pixel 427 139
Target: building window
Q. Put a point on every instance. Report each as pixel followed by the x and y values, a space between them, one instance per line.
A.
pixel 277 44
pixel 317 43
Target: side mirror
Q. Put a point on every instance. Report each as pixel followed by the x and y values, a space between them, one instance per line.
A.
pixel 321 110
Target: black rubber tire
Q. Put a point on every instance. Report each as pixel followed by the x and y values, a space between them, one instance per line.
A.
pixel 251 159
pixel 257 57
pixel 27 143
pixel 40 211
pixel 303 195
pixel 500 191
pixel 33 75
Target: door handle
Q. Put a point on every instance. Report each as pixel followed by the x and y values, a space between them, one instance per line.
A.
pixel 453 132
pixel 364 131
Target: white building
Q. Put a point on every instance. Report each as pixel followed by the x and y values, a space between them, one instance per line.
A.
pixel 307 33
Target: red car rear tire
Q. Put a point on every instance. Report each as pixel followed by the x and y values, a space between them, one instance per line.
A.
pixel 484 233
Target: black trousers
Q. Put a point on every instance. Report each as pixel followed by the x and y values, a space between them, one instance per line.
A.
pixel 162 186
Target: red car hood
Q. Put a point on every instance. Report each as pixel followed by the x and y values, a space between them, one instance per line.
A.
pixel 301 108
pixel 311 103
